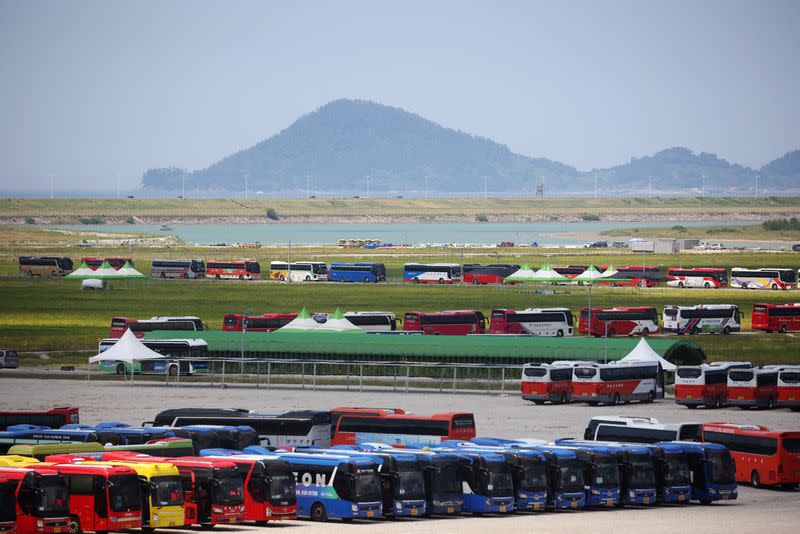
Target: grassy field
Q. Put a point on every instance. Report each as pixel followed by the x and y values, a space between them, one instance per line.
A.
pixel 71 209
pixel 753 232
pixel 55 315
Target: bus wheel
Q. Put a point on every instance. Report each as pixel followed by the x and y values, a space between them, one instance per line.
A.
pixel 53 274
pixel 560 333
pixel 651 396
pixel 771 403
pixel 681 285
pixel 615 400
pixel 120 368
pixel 185 275
pixel 755 480
pixel 216 276
pixel 726 330
pixel 611 333
pixel 774 286
pixel 308 278
pixel 706 285
pixel 416 280
pixel 718 403
pixel 563 397
pixel 592 403
pixel 241 277
pixel 74 525
pixel 475 282
pixel 366 280
pixel 30 274
pixel 784 329
pixel 645 332
pixel 318 512
pixel 441 280
pixel 744 285
pixel 281 278
pixel 691 406
pixel 173 370
pixel 206 526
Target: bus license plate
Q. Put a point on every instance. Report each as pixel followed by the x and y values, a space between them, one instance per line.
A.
pixel 502 508
pixel 57 529
pixel 741 398
pixel 681 497
pixel 536 506
pixel 646 500
pixel 370 514
pixel 574 504
pixel 450 509
pixel 609 502
pixel 232 520
pixel 413 511
pixel 724 497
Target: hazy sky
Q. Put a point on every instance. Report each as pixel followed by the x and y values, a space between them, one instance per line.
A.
pixel 94 90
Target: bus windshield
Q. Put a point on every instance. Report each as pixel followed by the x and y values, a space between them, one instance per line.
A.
pixel 791 444
pixel 534 475
pixel 500 482
pixel 123 493
pixel 52 500
pixel 571 476
pixel 281 485
pixel 166 491
pixel 8 509
pixel 447 479
pixel 410 484
pixel 689 372
pixel 607 473
pixel 366 486
pixel 227 489
pixel 642 475
pixel 678 472
pixel 722 468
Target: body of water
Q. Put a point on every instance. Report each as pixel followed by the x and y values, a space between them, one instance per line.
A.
pixel 547 233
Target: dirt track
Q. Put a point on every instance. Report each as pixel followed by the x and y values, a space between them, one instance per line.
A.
pixel 502 416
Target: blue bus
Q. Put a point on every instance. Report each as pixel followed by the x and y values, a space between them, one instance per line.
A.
pixel 34 435
pixel 357 272
pixel 637 469
pixel 565 476
pixel 488 484
pixel 202 436
pixel 713 474
pixel 528 473
pixel 401 473
pixel 601 474
pixel 331 486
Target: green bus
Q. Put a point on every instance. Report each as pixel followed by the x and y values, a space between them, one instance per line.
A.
pixel 171 447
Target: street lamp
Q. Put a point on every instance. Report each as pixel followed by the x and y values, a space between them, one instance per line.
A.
pixel 244 331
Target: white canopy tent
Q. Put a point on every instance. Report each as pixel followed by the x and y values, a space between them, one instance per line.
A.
pixel 127 349
pixel 303 321
pixel 523 274
pixel 589 274
pixel 339 323
pixel 548 274
pixel 644 352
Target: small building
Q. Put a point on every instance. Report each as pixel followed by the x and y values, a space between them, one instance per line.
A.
pixel 689 244
pixel 658 246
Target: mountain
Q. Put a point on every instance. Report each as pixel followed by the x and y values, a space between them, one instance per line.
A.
pixel 345 141
pixel 342 143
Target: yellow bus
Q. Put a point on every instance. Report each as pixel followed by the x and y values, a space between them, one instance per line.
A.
pixel 14 460
pixel 44 266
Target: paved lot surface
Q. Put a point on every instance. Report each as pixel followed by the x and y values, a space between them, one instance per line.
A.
pixel 502 416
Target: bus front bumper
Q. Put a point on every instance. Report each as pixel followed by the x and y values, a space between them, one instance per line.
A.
pixel 570 501
pixel 230 515
pixel 56 525
pixel 724 493
pixel 367 510
pixel 167 516
pixel 446 506
pixel 678 494
pixel 531 501
pixel 641 496
pixel 603 497
pixel 488 505
pixel 409 508
pixel 276 513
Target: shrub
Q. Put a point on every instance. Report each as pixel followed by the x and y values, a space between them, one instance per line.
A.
pixel 590 217
pixel 778 225
pixel 272 214
pixel 92 220
pixel 680 228
pixel 130 220
pixel 481 218
pixel 30 220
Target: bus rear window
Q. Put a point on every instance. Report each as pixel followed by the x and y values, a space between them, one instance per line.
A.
pixel 689 372
pixel 741 376
pixel 671 312
pixel 790 377
pixel 759 309
pixel 585 372
pixel 412 317
pixel 535 371
pixel 791 444
pixel 230 321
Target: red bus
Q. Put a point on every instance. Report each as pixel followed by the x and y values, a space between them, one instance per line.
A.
pixel 400 429
pixel 140 327
pixel 619 321
pixel 249 270
pixel 547 382
pixel 757 387
pixel 533 321
pixel 777 317
pixel 705 384
pixel 54 418
pixel 266 322
pixel 487 274
pixel 213 491
pixel 101 497
pixel 762 456
pixel 613 383
pixel 269 488
pixel 446 323
pixel 639 275
pixel 116 263
pixel 38 499
pixel 697 277
pixel 789 387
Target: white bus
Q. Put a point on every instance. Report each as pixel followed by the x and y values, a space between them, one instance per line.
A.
pixel 557 322
pixel 704 318
pixel 373 321
pixel 633 429
pixel 432 273
pixel 789 387
pixel 705 384
pixel 617 382
pixel 303 271
pixel 764 278
pixel 548 382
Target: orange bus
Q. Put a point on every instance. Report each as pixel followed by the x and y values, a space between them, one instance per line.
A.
pixel 242 270
pixel 356 426
pixel 763 456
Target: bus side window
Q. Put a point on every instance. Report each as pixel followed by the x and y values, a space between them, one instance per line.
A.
pixel 26 494
pixel 100 497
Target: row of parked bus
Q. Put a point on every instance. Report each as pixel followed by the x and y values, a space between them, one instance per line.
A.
pixel 712 385
pixel 557 322
pixel 430 273
pixel 112 490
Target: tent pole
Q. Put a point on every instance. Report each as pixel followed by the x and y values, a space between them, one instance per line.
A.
pixel 361 377
pixel 315 376
pixel 455 371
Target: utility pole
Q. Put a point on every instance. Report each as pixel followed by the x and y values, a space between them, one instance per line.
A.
pixel 308 186
pixel 649 187
pixel 595 185
pixel 757 185
pixel 368 185
pixel 183 185
pixel 484 188
pixel 117 186
pixel 51 187
pixel 245 185
pixel 704 186
pixel 426 186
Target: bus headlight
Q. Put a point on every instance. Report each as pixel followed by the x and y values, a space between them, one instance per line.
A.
pixel 355 508
pixel 216 510
pixel 155 517
pixel 595 492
